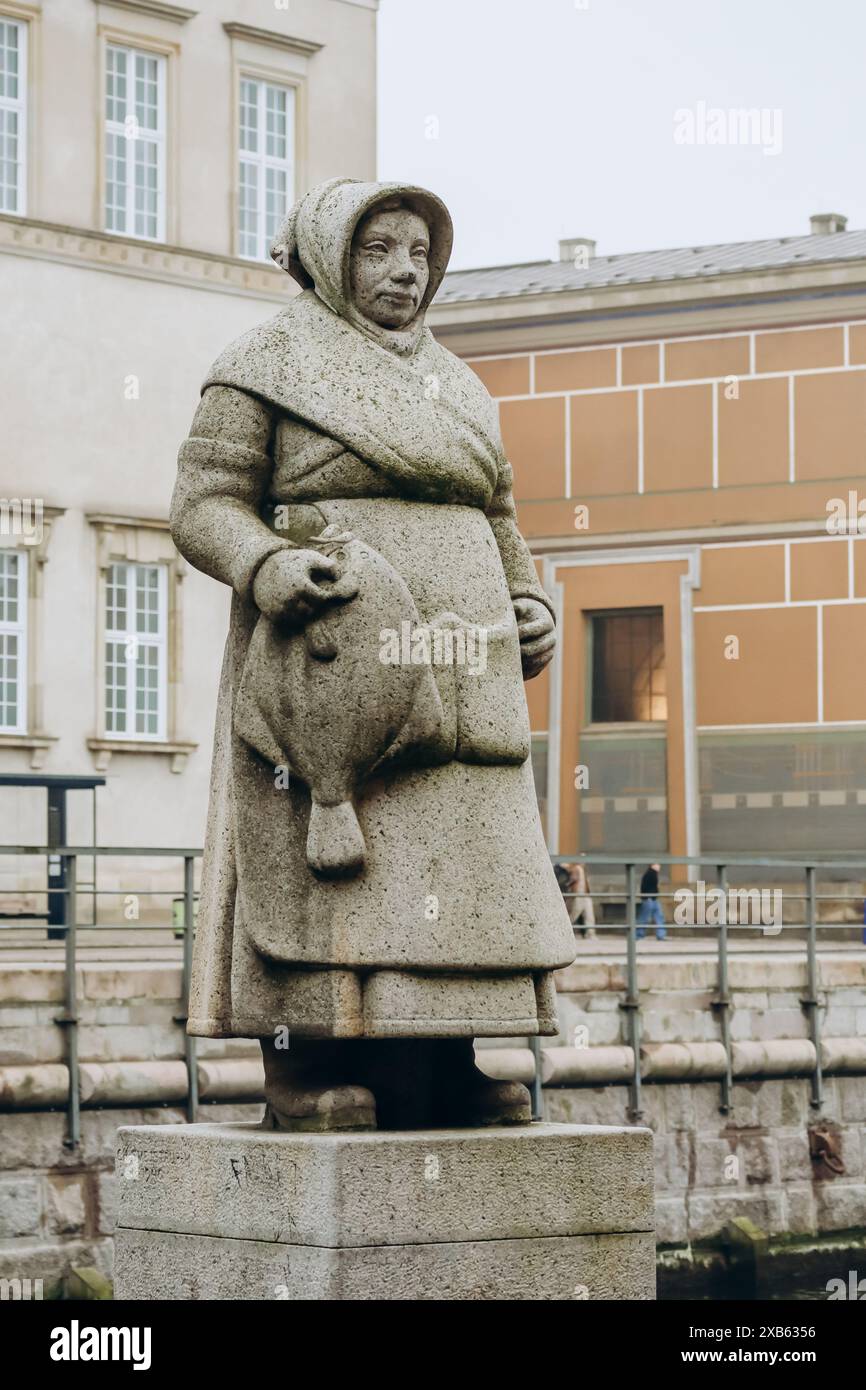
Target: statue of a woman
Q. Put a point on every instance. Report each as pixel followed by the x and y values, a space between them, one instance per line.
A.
pixel 376 890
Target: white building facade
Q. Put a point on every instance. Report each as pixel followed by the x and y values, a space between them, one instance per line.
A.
pixel 148 152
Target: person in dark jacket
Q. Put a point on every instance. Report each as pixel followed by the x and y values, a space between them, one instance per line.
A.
pixel 650 909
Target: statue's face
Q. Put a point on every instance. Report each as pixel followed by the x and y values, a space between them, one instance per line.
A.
pixel 388 266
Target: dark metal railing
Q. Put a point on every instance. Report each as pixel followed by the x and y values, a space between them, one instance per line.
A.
pixel 67 1019
pixel 722 1001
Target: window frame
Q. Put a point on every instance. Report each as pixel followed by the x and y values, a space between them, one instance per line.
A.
pixel 20 106
pixel 261 161
pixel 159 138
pixel 19 629
pixel 130 637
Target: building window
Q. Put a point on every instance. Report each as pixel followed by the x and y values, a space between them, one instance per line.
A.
pixel 266 175
pixel 135 143
pixel 13 641
pixel 13 116
pixel 135 651
pixel 628 667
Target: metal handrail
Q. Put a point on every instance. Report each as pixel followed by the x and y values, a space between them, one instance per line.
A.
pixel 68 1018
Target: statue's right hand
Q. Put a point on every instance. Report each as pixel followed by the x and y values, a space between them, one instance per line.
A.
pixel 287 587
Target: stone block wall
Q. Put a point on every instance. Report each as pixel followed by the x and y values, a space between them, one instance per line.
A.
pixel 755 1161
pixel 57 1205
pixel 676 997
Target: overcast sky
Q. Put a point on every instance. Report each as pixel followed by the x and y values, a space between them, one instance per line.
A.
pixel 541 119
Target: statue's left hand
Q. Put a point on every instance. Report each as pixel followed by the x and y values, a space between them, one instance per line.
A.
pixel 537 634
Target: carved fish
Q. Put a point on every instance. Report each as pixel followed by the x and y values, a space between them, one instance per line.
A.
pixel 323 701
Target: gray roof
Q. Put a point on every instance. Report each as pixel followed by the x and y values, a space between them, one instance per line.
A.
pixel 640 267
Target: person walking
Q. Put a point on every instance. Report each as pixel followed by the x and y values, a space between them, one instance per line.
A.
pixel 582 912
pixel 650 909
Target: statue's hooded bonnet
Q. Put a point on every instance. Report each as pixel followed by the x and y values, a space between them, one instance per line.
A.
pixel 395 398
pixel 315 242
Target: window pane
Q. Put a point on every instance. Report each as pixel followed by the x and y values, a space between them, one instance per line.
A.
pixel 788 792
pixel 115 85
pixel 9 575
pixel 8 680
pixel 115 687
pixel 134 152
pixel 115 183
pixel 147 599
pixel 146 92
pixel 9 61
pixel 628 682
pixel 248 209
pixel 147 690
pixel 249 131
pixel 624 806
pixel 11 119
pixel 115 599
pixel 146 162
pixel 265 173
pixel 275 116
pixel 275 205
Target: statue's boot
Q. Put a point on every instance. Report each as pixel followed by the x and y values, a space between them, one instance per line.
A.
pixel 464 1096
pixel 306 1089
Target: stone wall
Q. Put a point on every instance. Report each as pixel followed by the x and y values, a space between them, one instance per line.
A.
pixel 676 995
pixel 772 1178
pixel 56 1204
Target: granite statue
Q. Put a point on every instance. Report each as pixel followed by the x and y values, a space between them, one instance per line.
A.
pixel 376 890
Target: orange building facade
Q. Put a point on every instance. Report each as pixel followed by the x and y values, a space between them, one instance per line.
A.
pixel 688 436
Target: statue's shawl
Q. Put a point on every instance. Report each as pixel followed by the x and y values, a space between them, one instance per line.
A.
pixel 426 421
pixel 397 399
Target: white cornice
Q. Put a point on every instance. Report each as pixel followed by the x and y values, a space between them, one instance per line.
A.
pixel 146 260
pixel 760 533
pixel 156 9
pixel 105 519
pixel 272 37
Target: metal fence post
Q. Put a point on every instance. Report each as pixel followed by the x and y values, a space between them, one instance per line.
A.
pixel 631 1003
pixel 190 1043
pixel 810 1001
pixel 68 1019
pixel 722 1002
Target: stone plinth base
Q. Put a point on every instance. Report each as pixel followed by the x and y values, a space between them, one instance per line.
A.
pixel 230 1211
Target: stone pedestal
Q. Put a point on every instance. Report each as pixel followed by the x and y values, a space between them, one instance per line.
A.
pixel 229 1211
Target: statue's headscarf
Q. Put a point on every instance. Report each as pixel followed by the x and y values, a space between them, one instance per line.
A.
pixel 315 242
pixel 393 397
